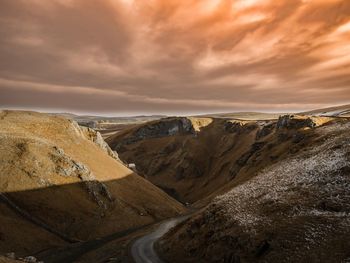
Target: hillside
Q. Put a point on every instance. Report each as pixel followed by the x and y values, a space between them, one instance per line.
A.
pixel 296 210
pixel 196 158
pixel 339 111
pixel 61 183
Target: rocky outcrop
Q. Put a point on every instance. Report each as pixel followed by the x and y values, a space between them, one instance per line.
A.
pixel 299 121
pixel 96 137
pixel 157 129
pixel 200 123
pixel 67 167
pixel 265 130
pixel 237 126
pixel 165 127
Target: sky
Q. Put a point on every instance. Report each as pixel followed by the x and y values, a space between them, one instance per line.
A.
pixel 120 57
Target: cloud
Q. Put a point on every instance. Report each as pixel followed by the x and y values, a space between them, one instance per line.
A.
pixel 174 56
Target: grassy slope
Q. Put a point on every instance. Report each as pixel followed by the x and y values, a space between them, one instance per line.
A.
pixel 294 211
pixel 34 181
pixel 223 153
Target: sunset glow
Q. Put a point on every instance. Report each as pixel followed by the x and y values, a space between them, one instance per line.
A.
pixel 174 56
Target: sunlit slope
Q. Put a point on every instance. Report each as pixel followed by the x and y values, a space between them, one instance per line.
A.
pixel 67 178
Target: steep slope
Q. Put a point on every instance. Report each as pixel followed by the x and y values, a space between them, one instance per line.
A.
pixel 191 158
pixel 60 182
pixel 297 210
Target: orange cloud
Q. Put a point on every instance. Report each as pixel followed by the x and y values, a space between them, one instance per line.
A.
pixel 175 55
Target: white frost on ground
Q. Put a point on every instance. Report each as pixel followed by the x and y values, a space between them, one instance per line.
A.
pixel 313 172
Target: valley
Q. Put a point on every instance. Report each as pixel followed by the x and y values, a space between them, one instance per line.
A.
pixel 193 158
pixel 246 185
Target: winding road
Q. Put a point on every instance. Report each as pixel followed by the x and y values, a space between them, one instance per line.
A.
pixel 142 250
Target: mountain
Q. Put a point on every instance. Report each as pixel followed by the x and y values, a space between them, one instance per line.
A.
pixel 61 183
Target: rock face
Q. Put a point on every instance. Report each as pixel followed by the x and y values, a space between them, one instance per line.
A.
pixel 96 137
pixel 297 210
pixel 240 126
pixel 298 121
pixel 166 127
pixel 157 129
pixel 67 167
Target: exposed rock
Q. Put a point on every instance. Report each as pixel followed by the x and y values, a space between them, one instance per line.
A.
pixel 30 259
pixel 67 167
pixel 266 130
pixel 162 128
pixel 237 126
pixel 199 123
pixel 99 193
pixel 96 137
pixel 132 166
pixel 299 121
pixel 166 127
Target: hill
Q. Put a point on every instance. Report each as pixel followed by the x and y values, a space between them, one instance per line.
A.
pixel 195 158
pixel 62 183
pixel 296 210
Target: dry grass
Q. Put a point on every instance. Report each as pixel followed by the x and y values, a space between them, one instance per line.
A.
pixel 64 176
pixel 218 153
pixel 296 210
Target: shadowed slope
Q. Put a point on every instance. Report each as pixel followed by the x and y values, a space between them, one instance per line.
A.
pixel 67 178
pixel 194 162
pixel 296 210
